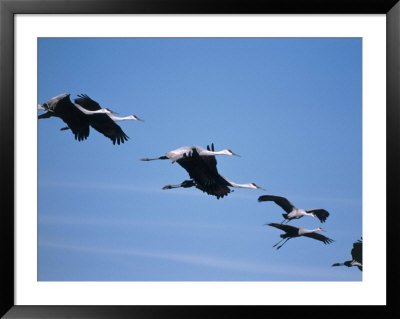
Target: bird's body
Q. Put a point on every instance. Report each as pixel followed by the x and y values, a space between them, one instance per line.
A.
pixel 202 168
pixel 356 254
pixel 293 232
pixel 62 107
pixel 292 212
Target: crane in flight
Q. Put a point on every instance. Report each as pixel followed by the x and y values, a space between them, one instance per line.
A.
pixel 103 121
pixel 292 212
pixel 293 232
pixel 201 165
pixel 356 255
pixel 82 114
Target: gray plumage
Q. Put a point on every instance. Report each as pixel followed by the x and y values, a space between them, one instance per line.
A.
pixel 292 212
pixel 293 232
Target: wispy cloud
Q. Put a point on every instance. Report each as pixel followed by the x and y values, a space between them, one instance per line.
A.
pixel 204 260
pixel 118 222
pixel 101 185
pixel 121 187
pixel 244 194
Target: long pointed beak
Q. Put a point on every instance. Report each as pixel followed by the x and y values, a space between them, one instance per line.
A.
pixel 263 189
pixel 138 119
pixel 236 154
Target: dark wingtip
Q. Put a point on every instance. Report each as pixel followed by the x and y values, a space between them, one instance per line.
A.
pixel 261 198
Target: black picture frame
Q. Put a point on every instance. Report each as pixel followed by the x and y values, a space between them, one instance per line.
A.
pixel 9 8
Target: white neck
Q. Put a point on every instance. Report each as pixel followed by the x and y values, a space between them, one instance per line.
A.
pixel 87 112
pixel 307 231
pixel 117 118
pixel 249 185
pixel 223 152
pixel 210 153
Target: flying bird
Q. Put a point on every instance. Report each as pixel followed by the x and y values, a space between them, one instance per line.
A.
pixel 201 165
pixel 102 120
pixel 82 114
pixel 292 212
pixel 356 254
pixel 293 232
pixel 187 151
pixel 61 106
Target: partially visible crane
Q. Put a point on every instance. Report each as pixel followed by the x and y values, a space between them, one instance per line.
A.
pixel 61 106
pixel 356 254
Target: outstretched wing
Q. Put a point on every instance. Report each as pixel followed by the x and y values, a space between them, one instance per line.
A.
pixel 87 103
pixel 319 237
pixel 281 201
pixel 286 228
pixel 106 126
pixel 356 252
pixel 321 214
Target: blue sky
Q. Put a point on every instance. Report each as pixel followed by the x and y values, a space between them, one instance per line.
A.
pixel 291 107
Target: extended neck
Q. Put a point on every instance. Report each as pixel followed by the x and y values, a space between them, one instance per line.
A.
pixel 212 153
pixel 233 184
pixel 308 231
pixel 223 152
pixel 87 112
pixel 248 185
pixel 119 118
